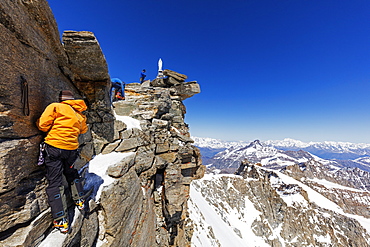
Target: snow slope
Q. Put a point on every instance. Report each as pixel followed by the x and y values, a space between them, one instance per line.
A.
pixel 220 223
pixel 224 227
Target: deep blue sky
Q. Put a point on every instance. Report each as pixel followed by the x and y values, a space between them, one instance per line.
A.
pixel 268 69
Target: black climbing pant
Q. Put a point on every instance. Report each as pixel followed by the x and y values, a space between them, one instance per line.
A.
pixel 58 162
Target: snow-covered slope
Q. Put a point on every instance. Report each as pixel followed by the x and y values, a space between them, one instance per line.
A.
pixel 262 207
pixel 227 226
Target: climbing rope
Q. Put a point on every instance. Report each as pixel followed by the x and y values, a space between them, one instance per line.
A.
pixel 24 99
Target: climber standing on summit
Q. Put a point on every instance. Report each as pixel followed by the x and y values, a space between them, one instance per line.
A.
pixel 142 76
pixel 63 123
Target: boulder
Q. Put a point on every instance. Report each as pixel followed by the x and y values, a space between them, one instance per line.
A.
pixel 121 168
pixel 31 235
pixel 172 81
pixel 158 82
pixel 110 147
pixel 86 59
pixel 177 76
pixel 124 206
pixel 187 90
pixel 124 108
pixel 144 159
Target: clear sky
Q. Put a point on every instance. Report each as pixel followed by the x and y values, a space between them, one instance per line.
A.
pixel 268 69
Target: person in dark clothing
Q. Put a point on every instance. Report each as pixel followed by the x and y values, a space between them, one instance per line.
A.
pixel 142 76
pixel 117 86
pixel 63 123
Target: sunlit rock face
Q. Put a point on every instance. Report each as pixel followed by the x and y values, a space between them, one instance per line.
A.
pixel 157 175
pixel 31 64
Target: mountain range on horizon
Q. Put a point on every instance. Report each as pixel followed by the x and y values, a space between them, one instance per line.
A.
pixel 341 154
pixel 285 143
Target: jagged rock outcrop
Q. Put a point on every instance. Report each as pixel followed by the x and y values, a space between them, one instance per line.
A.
pixel 164 162
pixel 147 203
pixel 352 196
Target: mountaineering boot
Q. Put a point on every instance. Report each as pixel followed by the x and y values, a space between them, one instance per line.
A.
pixel 80 203
pixel 78 193
pixel 62 225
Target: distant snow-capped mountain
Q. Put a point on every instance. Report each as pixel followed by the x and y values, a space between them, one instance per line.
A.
pixel 217 143
pixel 209 146
pixel 326 150
pixel 257 152
pixel 339 146
pixel 229 154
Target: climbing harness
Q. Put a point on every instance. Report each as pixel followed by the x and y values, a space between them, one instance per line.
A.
pixel 42 155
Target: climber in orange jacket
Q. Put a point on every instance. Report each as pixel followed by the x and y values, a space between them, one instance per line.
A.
pixel 63 122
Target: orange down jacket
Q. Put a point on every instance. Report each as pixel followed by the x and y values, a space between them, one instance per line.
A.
pixel 63 122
